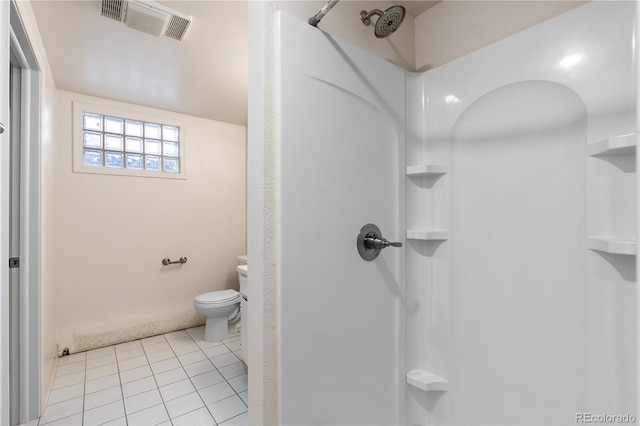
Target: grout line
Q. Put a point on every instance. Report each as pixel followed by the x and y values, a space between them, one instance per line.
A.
pixel 84 386
pixel 183 370
pixel 72 372
pixel 124 409
pixel 184 414
pixel 214 369
pixel 189 378
pixel 146 408
pixel 234 389
pixel 233 417
pixel 155 381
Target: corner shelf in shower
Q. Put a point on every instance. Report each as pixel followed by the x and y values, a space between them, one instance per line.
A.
pixel 613 245
pixel 427 234
pixel 427 170
pixel 616 145
pixel 427 381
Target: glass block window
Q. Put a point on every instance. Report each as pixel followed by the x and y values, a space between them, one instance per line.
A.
pixel 128 144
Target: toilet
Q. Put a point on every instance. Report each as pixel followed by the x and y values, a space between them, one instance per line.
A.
pixel 219 307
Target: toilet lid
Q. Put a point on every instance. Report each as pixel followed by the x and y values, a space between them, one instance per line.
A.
pixel 217 296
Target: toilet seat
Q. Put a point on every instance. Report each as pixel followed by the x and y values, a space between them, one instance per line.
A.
pixel 221 297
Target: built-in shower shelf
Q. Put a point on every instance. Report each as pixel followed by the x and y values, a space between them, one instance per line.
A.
pixel 617 145
pixel 613 245
pixel 427 234
pixel 427 381
pixel 427 170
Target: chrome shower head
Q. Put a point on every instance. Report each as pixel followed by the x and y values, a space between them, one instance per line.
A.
pixel 388 21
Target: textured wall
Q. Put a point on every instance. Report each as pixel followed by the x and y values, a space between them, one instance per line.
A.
pixel 261 220
pixel 113 232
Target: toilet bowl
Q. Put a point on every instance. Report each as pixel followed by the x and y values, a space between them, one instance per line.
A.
pixel 219 307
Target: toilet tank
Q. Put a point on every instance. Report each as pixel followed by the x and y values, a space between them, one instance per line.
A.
pixel 244 312
pixel 242 277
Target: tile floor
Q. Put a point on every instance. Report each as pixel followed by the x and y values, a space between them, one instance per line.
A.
pixel 171 379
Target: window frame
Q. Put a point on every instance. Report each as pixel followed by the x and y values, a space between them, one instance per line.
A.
pixel 79 108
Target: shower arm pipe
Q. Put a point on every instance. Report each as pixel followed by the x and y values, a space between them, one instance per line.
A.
pixel 315 19
pixel 366 16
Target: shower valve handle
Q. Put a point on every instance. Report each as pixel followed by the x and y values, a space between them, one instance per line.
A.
pixel 373 243
pixel 370 242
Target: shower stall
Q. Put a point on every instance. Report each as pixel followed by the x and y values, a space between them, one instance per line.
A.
pixel 510 177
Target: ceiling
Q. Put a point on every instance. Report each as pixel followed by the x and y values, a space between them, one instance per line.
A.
pixel 204 75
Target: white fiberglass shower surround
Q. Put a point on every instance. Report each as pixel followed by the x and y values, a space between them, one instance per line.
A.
pixel 510 177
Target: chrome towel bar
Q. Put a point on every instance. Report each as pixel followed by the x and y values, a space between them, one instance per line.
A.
pixel 167 261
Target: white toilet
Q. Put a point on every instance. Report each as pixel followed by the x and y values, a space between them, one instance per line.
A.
pixel 219 307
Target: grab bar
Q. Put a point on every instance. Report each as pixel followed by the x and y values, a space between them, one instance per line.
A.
pixel 167 261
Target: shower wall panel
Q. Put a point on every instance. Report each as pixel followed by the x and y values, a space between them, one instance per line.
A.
pixel 524 299
pixel 340 163
pixel 517 198
pixel 519 257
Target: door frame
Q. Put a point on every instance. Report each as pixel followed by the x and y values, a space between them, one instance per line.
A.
pixel 14 43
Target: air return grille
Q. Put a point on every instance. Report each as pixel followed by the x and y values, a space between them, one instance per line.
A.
pixel 177 27
pixel 147 16
pixel 113 9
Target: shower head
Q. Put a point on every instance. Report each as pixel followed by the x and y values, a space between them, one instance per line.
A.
pixel 388 21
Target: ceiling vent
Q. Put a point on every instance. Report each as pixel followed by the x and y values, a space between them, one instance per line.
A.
pixel 113 9
pixel 148 16
pixel 177 27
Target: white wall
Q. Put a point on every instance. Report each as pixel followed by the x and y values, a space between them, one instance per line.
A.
pixel 48 235
pixel 452 29
pixel 113 232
